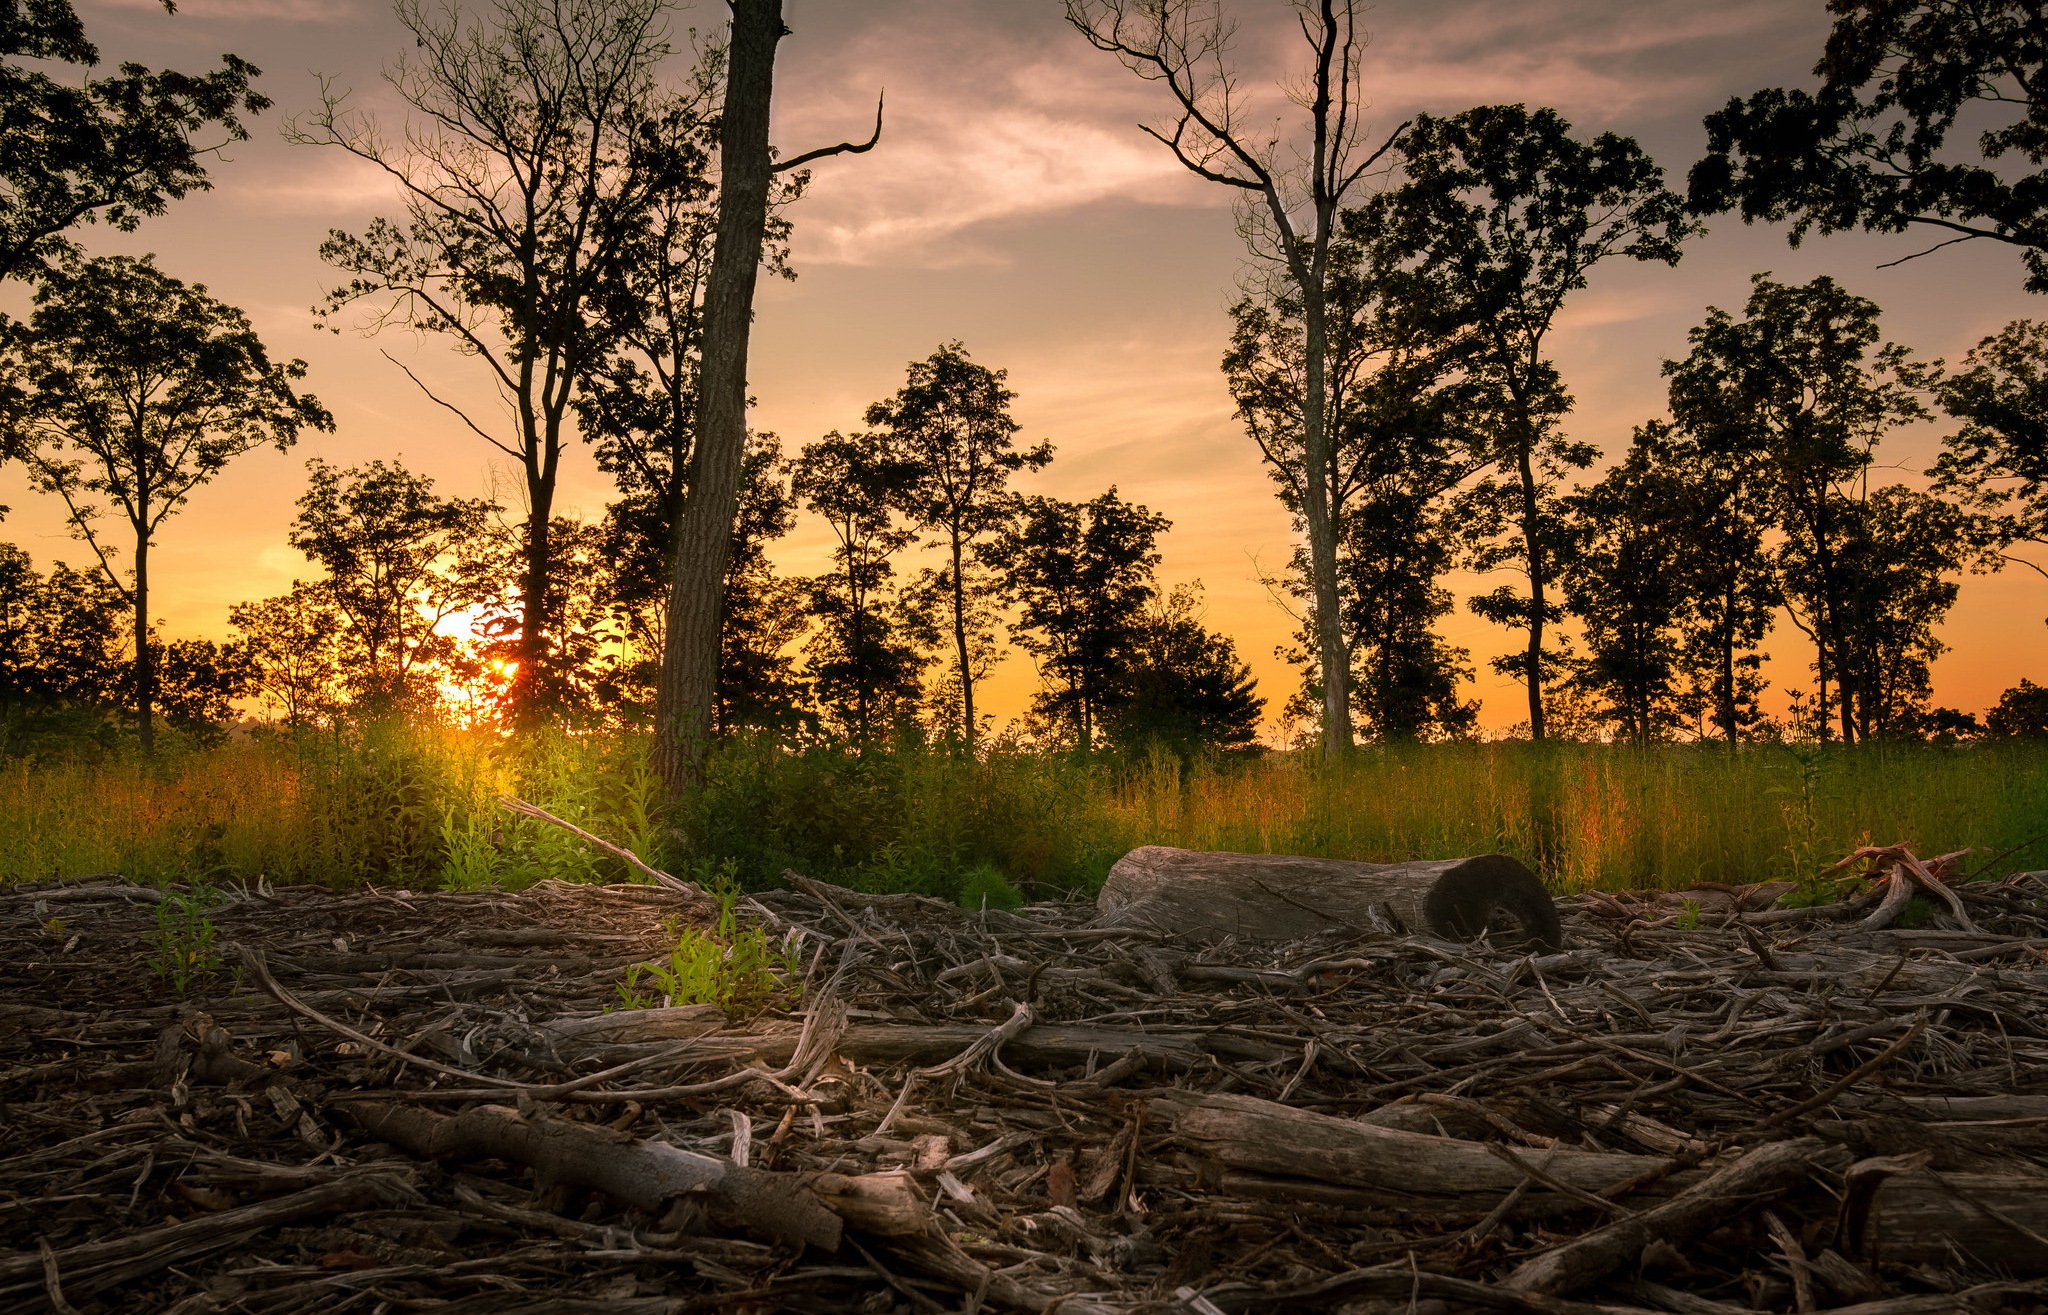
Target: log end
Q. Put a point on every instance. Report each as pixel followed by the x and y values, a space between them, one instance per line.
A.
pixel 1467 900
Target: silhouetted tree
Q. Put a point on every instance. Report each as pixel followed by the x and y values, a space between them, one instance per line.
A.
pixel 862 666
pixel 60 650
pixel 108 148
pixel 1801 387
pixel 1293 191
pixel 1503 213
pixel 1080 575
pixel 399 560
pixel 2021 713
pixel 129 389
pixel 1184 688
pixel 950 424
pixel 1998 460
pixel 525 179
pixel 1870 148
pixel 1398 412
pixel 291 645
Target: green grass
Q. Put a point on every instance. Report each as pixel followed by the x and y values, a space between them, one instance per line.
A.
pixel 415 806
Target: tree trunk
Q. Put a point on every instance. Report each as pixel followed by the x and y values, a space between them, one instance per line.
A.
pixel 1277 897
pixel 527 690
pixel 689 668
pixel 1333 656
pixel 960 646
pixel 145 659
pixel 1532 548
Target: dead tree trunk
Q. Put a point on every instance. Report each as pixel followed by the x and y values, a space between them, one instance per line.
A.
pixel 1280 897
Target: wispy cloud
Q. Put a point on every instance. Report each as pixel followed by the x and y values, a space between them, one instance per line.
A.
pixel 245 11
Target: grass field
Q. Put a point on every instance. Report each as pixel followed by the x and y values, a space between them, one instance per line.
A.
pixel 416 806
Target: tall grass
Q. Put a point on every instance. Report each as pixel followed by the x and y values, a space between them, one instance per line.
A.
pixel 413 805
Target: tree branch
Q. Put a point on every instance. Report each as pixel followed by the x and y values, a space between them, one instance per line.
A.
pixel 458 412
pixel 843 148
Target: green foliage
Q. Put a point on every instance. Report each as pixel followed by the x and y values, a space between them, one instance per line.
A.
pixel 983 887
pixel 1688 915
pixel 727 966
pixel 181 947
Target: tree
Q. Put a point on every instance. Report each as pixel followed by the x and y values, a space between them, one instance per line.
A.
pixel 115 149
pixel 1184 44
pixel 950 424
pixel 1998 460
pixel 1080 575
pixel 60 648
pixel 1871 149
pixel 1185 689
pixel 129 389
pixel 289 643
pixel 2021 713
pixel 395 554
pixel 689 669
pixel 861 667
pixel 526 178
pixel 1398 417
pixel 1503 213
pixel 1801 387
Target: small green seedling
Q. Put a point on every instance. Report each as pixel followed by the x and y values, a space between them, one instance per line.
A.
pixel 182 944
pixel 728 967
pixel 1688 915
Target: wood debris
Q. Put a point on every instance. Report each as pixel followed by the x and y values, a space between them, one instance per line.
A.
pixel 387 1100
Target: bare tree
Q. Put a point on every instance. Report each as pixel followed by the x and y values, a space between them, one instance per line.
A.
pixel 525 184
pixel 1294 192
pixel 689 668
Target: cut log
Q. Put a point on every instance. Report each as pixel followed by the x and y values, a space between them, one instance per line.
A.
pixel 1280 897
pixel 629 1025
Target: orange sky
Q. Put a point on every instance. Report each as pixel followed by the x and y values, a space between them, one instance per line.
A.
pixel 1014 205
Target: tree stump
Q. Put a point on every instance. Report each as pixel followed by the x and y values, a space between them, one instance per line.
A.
pixel 1280 897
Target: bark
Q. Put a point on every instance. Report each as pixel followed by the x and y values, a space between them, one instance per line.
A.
pixel 1898 1212
pixel 790 1208
pixel 1277 897
pixel 145 660
pixel 1762 1173
pixel 689 668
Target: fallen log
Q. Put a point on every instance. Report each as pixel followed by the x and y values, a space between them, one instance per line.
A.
pixel 1280 897
pixel 1897 1211
pixel 791 1208
pixel 1245 1132
pixel 1760 1174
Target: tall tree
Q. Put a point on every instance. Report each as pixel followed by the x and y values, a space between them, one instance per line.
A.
pixel 1398 415
pixel 393 551
pixel 115 149
pixel 1871 148
pixel 1081 575
pixel 290 643
pixel 1998 459
pixel 689 669
pixel 950 425
pixel 1802 385
pixel 525 178
pixel 1503 214
pixel 60 648
pixel 861 665
pixel 129 389
pixel 1294 191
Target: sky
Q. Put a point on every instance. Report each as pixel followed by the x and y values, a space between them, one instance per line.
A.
pixel 1013 204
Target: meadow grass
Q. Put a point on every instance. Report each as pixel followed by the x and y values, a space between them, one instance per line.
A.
pixel 415 805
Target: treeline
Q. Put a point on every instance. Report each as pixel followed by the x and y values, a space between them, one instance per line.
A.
pixel 560 190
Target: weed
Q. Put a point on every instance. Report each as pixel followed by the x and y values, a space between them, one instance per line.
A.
pixel 1688 915
pixel 182 945
pixel 984 888
pixel 729 967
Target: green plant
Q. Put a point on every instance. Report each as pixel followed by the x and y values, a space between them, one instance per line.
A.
pixel 983 887
pixel 730 967
pixel 1688 915
pixel 182 945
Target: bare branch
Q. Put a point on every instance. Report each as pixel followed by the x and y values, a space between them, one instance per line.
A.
pixel 457 411
pixel 843 148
